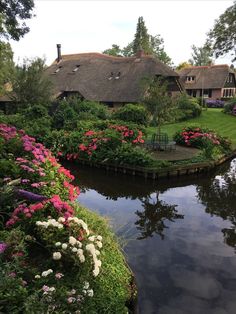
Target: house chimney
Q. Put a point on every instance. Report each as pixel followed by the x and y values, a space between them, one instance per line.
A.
pixel 58 53
pixel 140 52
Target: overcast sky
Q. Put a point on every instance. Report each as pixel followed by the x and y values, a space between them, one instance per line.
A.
pixel 93 26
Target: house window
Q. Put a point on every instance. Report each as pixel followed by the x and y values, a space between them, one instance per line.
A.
pixel 190 79
pixel 189 92
pixel 228 92
pixel 194 93
pixel 229 78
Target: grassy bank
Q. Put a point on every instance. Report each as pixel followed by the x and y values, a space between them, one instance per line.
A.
pixel 213 118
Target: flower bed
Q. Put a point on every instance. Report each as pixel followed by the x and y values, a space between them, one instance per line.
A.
pixel 55 256
pixel 212 144
pixel 117 143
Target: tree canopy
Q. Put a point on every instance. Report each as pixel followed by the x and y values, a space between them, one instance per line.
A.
pixel 30 85
pixel 223 34
pixel 6 64
pixel 150 44
pixel 13 14
pixel 202 55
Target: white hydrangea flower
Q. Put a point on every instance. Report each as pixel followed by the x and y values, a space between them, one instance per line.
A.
pixel 72 240
pixel 92 238
pixel 74 250
pixel 90 293
pixel 79 244
pixel 99 244
pixel 61 219
pixel 58 244
pixel 99 238
pixel 56 255
pixel 96 272
pixel 46 272
pixel 37 276
pixel 86 285
pixel 64 246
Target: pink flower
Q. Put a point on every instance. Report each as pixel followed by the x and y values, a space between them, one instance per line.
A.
pixel 3 247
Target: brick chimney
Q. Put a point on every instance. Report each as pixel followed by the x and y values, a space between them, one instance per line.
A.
pixel 58 53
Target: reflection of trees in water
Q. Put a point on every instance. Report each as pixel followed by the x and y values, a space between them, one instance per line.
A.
pixel 219 197
pixel 156 213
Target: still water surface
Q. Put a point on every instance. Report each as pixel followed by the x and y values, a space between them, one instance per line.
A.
pixel 179 235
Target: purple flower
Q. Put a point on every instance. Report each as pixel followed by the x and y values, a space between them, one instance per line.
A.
pixel 3 247
pixel 31 196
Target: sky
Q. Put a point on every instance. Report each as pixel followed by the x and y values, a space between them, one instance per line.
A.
pixel 93 26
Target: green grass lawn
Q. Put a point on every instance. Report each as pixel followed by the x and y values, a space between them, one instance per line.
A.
pixel 213 118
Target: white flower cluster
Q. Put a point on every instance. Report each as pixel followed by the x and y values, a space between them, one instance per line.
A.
pixel 86 290
pixel 74 245
pixel 79 222
pixel 51 222
pixel 44 274
pixel 94 253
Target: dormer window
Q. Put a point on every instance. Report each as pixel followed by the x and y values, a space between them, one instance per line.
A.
pixel 57 70
pixel 76 68
pixel 190 79
pixel 118 76
pixel 111 76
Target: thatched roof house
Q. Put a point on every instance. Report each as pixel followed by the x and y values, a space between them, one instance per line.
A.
pixel 107 79
pixel 215 81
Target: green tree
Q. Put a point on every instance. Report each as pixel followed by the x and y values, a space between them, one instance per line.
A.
pixel 223 34
pixel 153 45
pixel 12 18
pixel 113 51
pixel 157 101
pixel 141 38
pixel 30 85
pixel 202 55
pixel 6 65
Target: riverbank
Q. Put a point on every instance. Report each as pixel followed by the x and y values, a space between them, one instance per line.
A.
pixel 174 170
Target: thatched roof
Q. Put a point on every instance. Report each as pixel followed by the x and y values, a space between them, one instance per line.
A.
pixel 207 77
pixel 105 78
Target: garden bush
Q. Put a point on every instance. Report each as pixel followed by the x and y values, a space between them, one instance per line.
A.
pixel 187 107
pixel 132 113
pixel 229 106
pixel 55 256
pixel 208 140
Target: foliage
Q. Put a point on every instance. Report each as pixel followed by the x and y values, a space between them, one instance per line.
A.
pixel 151 45
pixel 202 55
pixel 183 65
pixel 29 83
pixel 6 65
pixel 50 261
pixel 12 16
pixel 230 105
pixel 223 33
pixel 132 113
pixel 157 100
pixel 186 107
pixel 115 50
pixel 213 145
pixel 64 116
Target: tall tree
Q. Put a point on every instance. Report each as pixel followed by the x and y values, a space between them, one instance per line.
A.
pixel 30 85
pixel 223 33
pixel 13 14
pixel 141 38
pixel 202 55
pixel 6 65
pixel 153 45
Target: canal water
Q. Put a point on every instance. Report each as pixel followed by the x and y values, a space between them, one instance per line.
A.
pixel 179 236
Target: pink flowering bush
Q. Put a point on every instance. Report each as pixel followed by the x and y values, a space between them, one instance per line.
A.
pixel 209 141
pixel 50 260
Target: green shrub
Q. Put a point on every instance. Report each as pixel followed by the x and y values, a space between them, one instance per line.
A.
pixel 132 113
pixel 92 108
pixel 64 117
pixel 187 107
pixel 229 105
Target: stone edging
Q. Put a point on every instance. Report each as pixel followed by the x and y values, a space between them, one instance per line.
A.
pixel 173 171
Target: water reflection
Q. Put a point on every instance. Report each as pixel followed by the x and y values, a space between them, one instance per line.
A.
pixel 152 219
pixel 219 197
pixel 180 236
